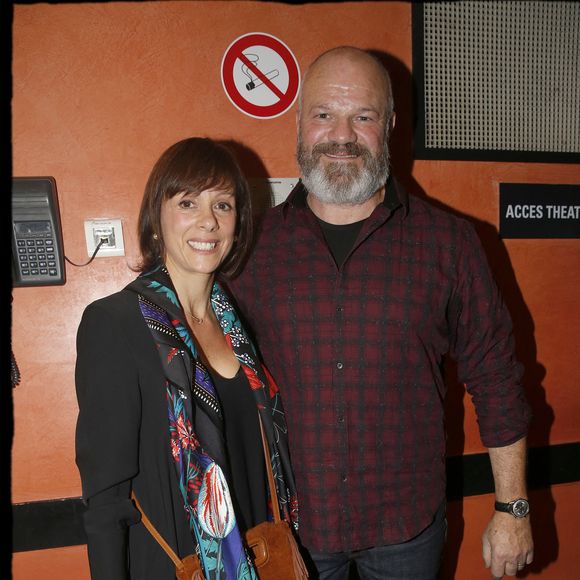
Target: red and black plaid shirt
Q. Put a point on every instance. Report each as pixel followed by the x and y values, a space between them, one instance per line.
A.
pixel 357 353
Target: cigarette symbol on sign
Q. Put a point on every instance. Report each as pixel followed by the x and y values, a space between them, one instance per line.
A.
pixel 255 81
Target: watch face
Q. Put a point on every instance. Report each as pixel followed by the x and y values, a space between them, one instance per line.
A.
pixel 520 508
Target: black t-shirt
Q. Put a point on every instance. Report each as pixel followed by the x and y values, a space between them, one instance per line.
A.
pixel 244 448
pixel 340 238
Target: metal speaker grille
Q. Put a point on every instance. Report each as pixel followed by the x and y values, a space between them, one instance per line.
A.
pixel 502 76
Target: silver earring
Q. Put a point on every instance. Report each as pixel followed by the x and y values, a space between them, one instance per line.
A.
pixel 155 237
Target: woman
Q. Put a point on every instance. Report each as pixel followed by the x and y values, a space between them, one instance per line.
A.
pixel 170 388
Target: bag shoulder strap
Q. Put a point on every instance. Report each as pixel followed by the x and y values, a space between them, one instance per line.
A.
pixel 153 531
pixel 271 482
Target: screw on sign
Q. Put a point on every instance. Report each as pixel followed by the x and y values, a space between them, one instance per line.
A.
pixel 260 75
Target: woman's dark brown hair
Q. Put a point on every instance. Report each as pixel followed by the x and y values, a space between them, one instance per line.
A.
pixel 193 165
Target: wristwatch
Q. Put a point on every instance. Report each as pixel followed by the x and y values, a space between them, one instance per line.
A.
pixel 519 508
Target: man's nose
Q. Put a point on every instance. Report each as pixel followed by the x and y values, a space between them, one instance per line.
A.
pixel 342 131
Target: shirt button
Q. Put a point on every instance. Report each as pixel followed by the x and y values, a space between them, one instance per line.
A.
pixel 341 419
pixel 339 365
pixel 339 308
pixel 344 478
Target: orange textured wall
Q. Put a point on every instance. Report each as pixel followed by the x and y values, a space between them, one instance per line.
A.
pixel 100 90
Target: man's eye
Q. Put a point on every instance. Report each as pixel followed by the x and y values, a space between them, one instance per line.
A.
pixel 322 116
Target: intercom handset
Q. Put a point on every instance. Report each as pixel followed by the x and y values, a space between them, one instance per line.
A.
pixel 37 250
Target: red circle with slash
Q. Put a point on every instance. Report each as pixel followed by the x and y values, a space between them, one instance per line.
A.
pixel 285 97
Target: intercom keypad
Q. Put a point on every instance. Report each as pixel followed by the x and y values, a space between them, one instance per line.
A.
pixel 36 255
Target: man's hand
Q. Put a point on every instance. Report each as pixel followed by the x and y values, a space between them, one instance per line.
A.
pixel 507 545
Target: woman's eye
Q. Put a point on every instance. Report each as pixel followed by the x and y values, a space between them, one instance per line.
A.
pixel 223 206
pixel 186 203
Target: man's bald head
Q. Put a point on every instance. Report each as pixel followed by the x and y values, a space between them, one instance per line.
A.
pixel 332 61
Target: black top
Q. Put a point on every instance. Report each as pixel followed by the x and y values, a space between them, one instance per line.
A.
pixel 340 238
pixel 247 467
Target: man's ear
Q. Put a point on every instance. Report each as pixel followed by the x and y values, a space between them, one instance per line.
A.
pixel 392 121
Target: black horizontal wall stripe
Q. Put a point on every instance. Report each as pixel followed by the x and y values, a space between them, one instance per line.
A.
pixel 41 525
pixel 54 524
pixel 471 474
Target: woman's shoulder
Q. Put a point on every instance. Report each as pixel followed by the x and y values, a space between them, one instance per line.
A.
pixel 118 299
pixel 122 305
pixel 117 319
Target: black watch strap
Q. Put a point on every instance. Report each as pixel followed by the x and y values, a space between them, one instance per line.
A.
pixel 519 508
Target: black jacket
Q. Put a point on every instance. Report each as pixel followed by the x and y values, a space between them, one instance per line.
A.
pixel 122 443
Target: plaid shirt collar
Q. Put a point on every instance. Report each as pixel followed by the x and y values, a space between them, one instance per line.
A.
pixel 395 197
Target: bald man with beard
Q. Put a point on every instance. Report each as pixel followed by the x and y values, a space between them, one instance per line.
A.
pixel 356 291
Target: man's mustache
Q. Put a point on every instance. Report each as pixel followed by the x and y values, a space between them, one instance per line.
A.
pixel 339 149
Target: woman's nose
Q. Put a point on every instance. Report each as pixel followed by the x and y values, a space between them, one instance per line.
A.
pixel 207 220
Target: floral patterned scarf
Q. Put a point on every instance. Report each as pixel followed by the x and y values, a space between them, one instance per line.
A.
pixel 196 424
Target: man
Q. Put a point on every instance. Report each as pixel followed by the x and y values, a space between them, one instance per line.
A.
pixel 356 292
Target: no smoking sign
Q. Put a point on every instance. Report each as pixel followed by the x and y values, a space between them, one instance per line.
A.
pixel 260 75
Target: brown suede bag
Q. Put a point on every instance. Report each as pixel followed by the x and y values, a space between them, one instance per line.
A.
pixel 275 553
pixel 274 550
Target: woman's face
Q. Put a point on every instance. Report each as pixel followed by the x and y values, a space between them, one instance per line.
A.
pixel 198 230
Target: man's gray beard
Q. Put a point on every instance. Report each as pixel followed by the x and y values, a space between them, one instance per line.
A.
pixel 343 183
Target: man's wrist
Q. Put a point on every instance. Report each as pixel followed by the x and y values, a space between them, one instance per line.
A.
pixel 518 508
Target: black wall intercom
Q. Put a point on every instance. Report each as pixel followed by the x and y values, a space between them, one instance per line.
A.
pixel 37 251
